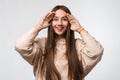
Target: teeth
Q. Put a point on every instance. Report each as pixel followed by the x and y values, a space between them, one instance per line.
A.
pixel 59 28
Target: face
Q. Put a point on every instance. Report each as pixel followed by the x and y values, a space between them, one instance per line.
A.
pixel 60 22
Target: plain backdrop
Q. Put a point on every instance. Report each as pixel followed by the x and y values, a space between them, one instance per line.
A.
pixel 101 18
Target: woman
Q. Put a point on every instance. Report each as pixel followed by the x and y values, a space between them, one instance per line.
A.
pixel 60 56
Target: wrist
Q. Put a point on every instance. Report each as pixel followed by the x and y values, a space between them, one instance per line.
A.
pixel 38 27
pixel 80 30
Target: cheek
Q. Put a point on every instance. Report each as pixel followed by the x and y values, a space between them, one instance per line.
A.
pixel 65 24
pixel 53 24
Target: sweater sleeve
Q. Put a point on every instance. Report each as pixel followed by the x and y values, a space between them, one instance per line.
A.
pixel 89 51
pixel 28 46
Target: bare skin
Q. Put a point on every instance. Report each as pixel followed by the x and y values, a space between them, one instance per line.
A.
pixel 44 23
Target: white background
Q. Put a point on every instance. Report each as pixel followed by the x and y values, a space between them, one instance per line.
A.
pixel 101 18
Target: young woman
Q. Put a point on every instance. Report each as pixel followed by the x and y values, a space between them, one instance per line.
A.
pixel 60 56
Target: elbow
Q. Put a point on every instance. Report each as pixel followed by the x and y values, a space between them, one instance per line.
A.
pixel 100 50
pixel 20 47
pixel 99 53
pixel 17 47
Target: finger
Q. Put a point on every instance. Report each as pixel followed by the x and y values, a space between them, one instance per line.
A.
pixel 68 16
pixel 50 16
pixel 71 18
pixel 45 17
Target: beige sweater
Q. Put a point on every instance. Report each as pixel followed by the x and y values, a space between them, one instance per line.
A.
pixel 88 49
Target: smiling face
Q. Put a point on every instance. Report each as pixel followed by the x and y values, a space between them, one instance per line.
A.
pixel 60 22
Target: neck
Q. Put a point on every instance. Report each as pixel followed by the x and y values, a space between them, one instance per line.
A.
pixel 59 37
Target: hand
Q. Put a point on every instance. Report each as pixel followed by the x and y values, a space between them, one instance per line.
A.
pixel 45 20
pixel 75 26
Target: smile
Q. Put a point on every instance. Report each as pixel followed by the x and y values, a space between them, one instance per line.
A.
pixel 59 28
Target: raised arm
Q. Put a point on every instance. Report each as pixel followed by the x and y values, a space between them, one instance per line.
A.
pixel 89 50
pixel 27 45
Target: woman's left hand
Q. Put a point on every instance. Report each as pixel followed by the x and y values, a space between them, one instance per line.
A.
pixel 75 25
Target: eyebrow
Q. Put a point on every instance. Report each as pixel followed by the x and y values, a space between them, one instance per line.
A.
pixel 62 17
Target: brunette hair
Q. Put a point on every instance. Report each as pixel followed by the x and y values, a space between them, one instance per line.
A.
pixel 75 68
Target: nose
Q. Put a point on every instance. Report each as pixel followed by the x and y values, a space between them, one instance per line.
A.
pixel 59 22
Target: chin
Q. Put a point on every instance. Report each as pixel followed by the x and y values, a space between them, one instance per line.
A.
pixel 58 34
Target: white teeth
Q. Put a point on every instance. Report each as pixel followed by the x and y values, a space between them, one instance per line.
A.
pixel 59 28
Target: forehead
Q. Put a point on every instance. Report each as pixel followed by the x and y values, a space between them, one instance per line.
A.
pixel 60 13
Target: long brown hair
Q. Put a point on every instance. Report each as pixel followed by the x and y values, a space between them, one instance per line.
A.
pixel 75 68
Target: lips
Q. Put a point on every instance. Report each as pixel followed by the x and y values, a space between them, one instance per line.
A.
pixel 59 28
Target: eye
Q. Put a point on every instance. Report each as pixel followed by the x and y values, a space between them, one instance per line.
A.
pixel 55 19
pixel 65 19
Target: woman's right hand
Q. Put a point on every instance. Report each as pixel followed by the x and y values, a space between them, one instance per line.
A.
pixel 45 20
